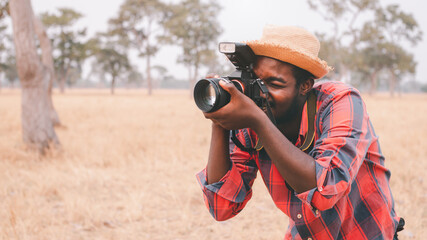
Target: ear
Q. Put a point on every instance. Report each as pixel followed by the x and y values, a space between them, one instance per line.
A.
pixel 306 86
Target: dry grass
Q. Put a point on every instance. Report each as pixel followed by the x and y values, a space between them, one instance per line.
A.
pixel 128 164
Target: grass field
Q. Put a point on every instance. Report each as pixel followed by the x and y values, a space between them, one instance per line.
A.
pixel 128 163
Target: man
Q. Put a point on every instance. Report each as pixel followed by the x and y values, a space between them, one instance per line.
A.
pixel 338 187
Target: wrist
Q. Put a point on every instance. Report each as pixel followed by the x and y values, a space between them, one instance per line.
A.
pixel 259 120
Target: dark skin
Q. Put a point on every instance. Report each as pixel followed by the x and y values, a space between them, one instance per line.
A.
pixel 287 99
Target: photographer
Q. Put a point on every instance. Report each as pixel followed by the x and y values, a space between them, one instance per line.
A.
pixel 326 172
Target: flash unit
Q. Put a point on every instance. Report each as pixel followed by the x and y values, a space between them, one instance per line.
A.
pixel 227 47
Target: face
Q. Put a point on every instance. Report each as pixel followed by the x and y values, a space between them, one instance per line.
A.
pixel 284 94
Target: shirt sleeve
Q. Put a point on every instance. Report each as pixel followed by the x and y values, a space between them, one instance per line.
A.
pixel 228 197
pixel 340 150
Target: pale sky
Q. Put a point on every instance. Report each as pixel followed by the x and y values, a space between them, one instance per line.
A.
pixel 241 20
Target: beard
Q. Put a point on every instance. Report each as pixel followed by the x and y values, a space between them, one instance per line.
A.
pixel 293 111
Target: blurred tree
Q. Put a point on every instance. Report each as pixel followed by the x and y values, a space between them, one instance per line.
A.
pixel 162 74
pixel 5 38
pixel 371 57
pixel 4 8
pixel 367 47
pixel 70 50
pixel 193 26
pixel 47 61
pixel 9 65
pixel 396 28
pixel 113 62
pixel 337 56
pixel 134 77
pixel 339 46
pixel 37 124
pixel 3 48
pixel 9 69
pixel 139 25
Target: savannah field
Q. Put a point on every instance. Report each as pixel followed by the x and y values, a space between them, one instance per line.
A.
pixel 128 162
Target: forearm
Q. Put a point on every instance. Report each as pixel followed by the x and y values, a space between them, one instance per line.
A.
pixel 219 157
pixel 295 166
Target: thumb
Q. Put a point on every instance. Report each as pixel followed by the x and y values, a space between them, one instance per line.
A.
pixel 228 86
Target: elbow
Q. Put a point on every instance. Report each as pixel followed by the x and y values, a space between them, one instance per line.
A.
pixel 326 202
pixel 220 217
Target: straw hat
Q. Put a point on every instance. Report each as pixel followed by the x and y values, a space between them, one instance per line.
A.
pixel 293 45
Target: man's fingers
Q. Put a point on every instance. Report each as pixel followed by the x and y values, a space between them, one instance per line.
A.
pixel 228 86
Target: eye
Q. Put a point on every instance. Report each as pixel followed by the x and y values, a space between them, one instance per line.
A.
pixel 276 84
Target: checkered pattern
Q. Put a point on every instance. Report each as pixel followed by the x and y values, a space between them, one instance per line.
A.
pixel 352 199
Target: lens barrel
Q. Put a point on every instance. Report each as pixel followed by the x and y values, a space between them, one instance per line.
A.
pixel 209 95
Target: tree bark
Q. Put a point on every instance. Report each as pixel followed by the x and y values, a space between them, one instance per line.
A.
pixel 37 126
pixel 47 61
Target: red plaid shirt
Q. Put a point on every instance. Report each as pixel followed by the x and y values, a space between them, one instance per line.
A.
pixel 352 199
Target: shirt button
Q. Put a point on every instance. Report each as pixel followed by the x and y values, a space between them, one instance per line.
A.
pixel 317 212
pixel 320 189
pixel 299 216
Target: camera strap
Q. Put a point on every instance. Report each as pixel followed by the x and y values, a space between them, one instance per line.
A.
pixel 311 114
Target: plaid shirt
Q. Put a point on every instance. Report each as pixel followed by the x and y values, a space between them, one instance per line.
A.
pixel 352 199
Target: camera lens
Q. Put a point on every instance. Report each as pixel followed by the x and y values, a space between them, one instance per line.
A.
pixel 209 96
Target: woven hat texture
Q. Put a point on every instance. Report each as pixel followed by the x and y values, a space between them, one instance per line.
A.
pixel 293 45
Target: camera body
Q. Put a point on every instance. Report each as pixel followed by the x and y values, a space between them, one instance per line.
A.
pixel 210 96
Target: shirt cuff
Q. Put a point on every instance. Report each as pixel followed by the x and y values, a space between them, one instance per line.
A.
pixel 230 186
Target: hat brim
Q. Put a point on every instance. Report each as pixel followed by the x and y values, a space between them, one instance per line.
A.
pixel 315 66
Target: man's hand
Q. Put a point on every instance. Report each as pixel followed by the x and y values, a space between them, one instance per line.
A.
pixel 240 112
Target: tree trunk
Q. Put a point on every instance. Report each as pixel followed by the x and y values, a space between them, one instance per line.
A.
pixel 62 81
pixel 194 78
pixel 190 77
pixel 392 85
pixel 148 72
pixel 373 87
pixel 47 61
pixel 37 126
pixel 113 84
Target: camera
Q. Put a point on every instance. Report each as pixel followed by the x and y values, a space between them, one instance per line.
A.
pixel 210 96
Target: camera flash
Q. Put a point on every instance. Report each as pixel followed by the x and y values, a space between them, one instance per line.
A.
pixel 226 47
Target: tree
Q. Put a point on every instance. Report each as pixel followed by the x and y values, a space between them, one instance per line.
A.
pixel 194 27
pixel 139 25
pixel 37 125
pixel 47 61
pixel 5 38
pixel 70 51
pixel 372 55
pixel 366 48
pixel 340 46
pixel 8 67
pixel 111 61
pixel 4 8
pixel 398 27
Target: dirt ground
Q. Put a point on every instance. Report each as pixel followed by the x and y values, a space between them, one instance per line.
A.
pixel 127 169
